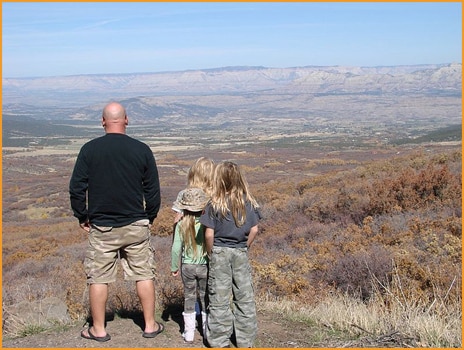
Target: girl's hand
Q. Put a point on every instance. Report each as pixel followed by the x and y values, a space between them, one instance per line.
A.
pixel 178 217
pixel 175 273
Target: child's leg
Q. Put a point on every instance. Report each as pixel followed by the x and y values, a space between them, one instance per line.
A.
pixel 190 287
pixel 190 297
pixel 202 279
pixel 246 327
pixel 220 318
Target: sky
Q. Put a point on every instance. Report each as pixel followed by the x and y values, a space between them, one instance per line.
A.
pixel 72 38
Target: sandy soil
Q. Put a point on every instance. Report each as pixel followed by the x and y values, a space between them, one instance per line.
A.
pixel 274 331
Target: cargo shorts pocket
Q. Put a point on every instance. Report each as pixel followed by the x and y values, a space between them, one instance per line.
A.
pixel 151 257
pixel 102 228
pixel 143 222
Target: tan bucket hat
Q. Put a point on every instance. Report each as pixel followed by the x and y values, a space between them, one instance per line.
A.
pixel 192 199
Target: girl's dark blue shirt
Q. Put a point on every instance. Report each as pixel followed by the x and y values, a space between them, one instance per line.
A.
pixel 226 233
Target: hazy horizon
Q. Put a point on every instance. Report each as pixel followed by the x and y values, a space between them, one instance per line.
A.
pixel 231 68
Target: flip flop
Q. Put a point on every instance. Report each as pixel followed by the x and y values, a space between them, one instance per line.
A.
pixel 155 333
pixel 92 337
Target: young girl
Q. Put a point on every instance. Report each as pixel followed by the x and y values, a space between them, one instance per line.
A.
pixel 189 249
pixel 199 176
pixel 231 221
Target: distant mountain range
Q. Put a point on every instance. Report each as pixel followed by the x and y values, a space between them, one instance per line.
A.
pixel 242 98
pixel 228 80
pixel 372 104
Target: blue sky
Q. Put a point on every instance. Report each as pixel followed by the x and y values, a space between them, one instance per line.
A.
pixel 66 38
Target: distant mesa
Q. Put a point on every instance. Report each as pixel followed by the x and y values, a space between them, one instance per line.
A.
pixel 84 90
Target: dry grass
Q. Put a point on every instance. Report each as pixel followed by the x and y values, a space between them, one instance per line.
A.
pixel 389 231
pixel 386 317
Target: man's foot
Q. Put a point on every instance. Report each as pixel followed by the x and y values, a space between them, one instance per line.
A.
pixel 155 333
pixel 90 336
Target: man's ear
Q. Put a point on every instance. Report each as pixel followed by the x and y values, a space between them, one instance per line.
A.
pixel 103 122
pixel 126 121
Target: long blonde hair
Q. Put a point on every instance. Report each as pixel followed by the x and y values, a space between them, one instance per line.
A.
pixel 201 173
pixel 189 234
pixel 230 192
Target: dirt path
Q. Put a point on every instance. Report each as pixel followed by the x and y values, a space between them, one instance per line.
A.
pixel 274 331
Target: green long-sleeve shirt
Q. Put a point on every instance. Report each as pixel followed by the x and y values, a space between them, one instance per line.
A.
pixel 180 254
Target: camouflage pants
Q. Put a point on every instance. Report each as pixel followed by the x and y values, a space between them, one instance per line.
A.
pixel 230 276
pixel 194 277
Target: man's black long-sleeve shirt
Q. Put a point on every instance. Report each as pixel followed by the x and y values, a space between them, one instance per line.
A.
pixel 115 182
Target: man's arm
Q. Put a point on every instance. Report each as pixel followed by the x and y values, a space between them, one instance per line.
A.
pixel 151 189
pixel 78 190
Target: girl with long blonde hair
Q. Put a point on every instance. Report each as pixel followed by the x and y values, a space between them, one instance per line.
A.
pixel 188 256
pixel 231 220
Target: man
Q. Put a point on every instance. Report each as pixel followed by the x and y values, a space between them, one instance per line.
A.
pixel 118 178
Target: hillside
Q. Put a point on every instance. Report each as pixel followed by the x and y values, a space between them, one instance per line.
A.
pixel 350 238
pixel 358 172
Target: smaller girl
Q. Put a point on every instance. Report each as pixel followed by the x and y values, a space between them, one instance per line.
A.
pixel 189 251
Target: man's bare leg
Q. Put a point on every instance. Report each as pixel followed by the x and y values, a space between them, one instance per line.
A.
pixel 146 293
pixel 98 296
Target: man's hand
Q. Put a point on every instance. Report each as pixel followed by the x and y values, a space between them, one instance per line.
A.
pixel 85 226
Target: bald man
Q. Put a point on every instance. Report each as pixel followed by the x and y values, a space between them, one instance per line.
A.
pixel 115 195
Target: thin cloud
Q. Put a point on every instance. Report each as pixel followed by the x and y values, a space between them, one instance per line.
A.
pixel 97 25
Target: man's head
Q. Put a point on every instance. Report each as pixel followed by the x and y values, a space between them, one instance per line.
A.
pixel 114 118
